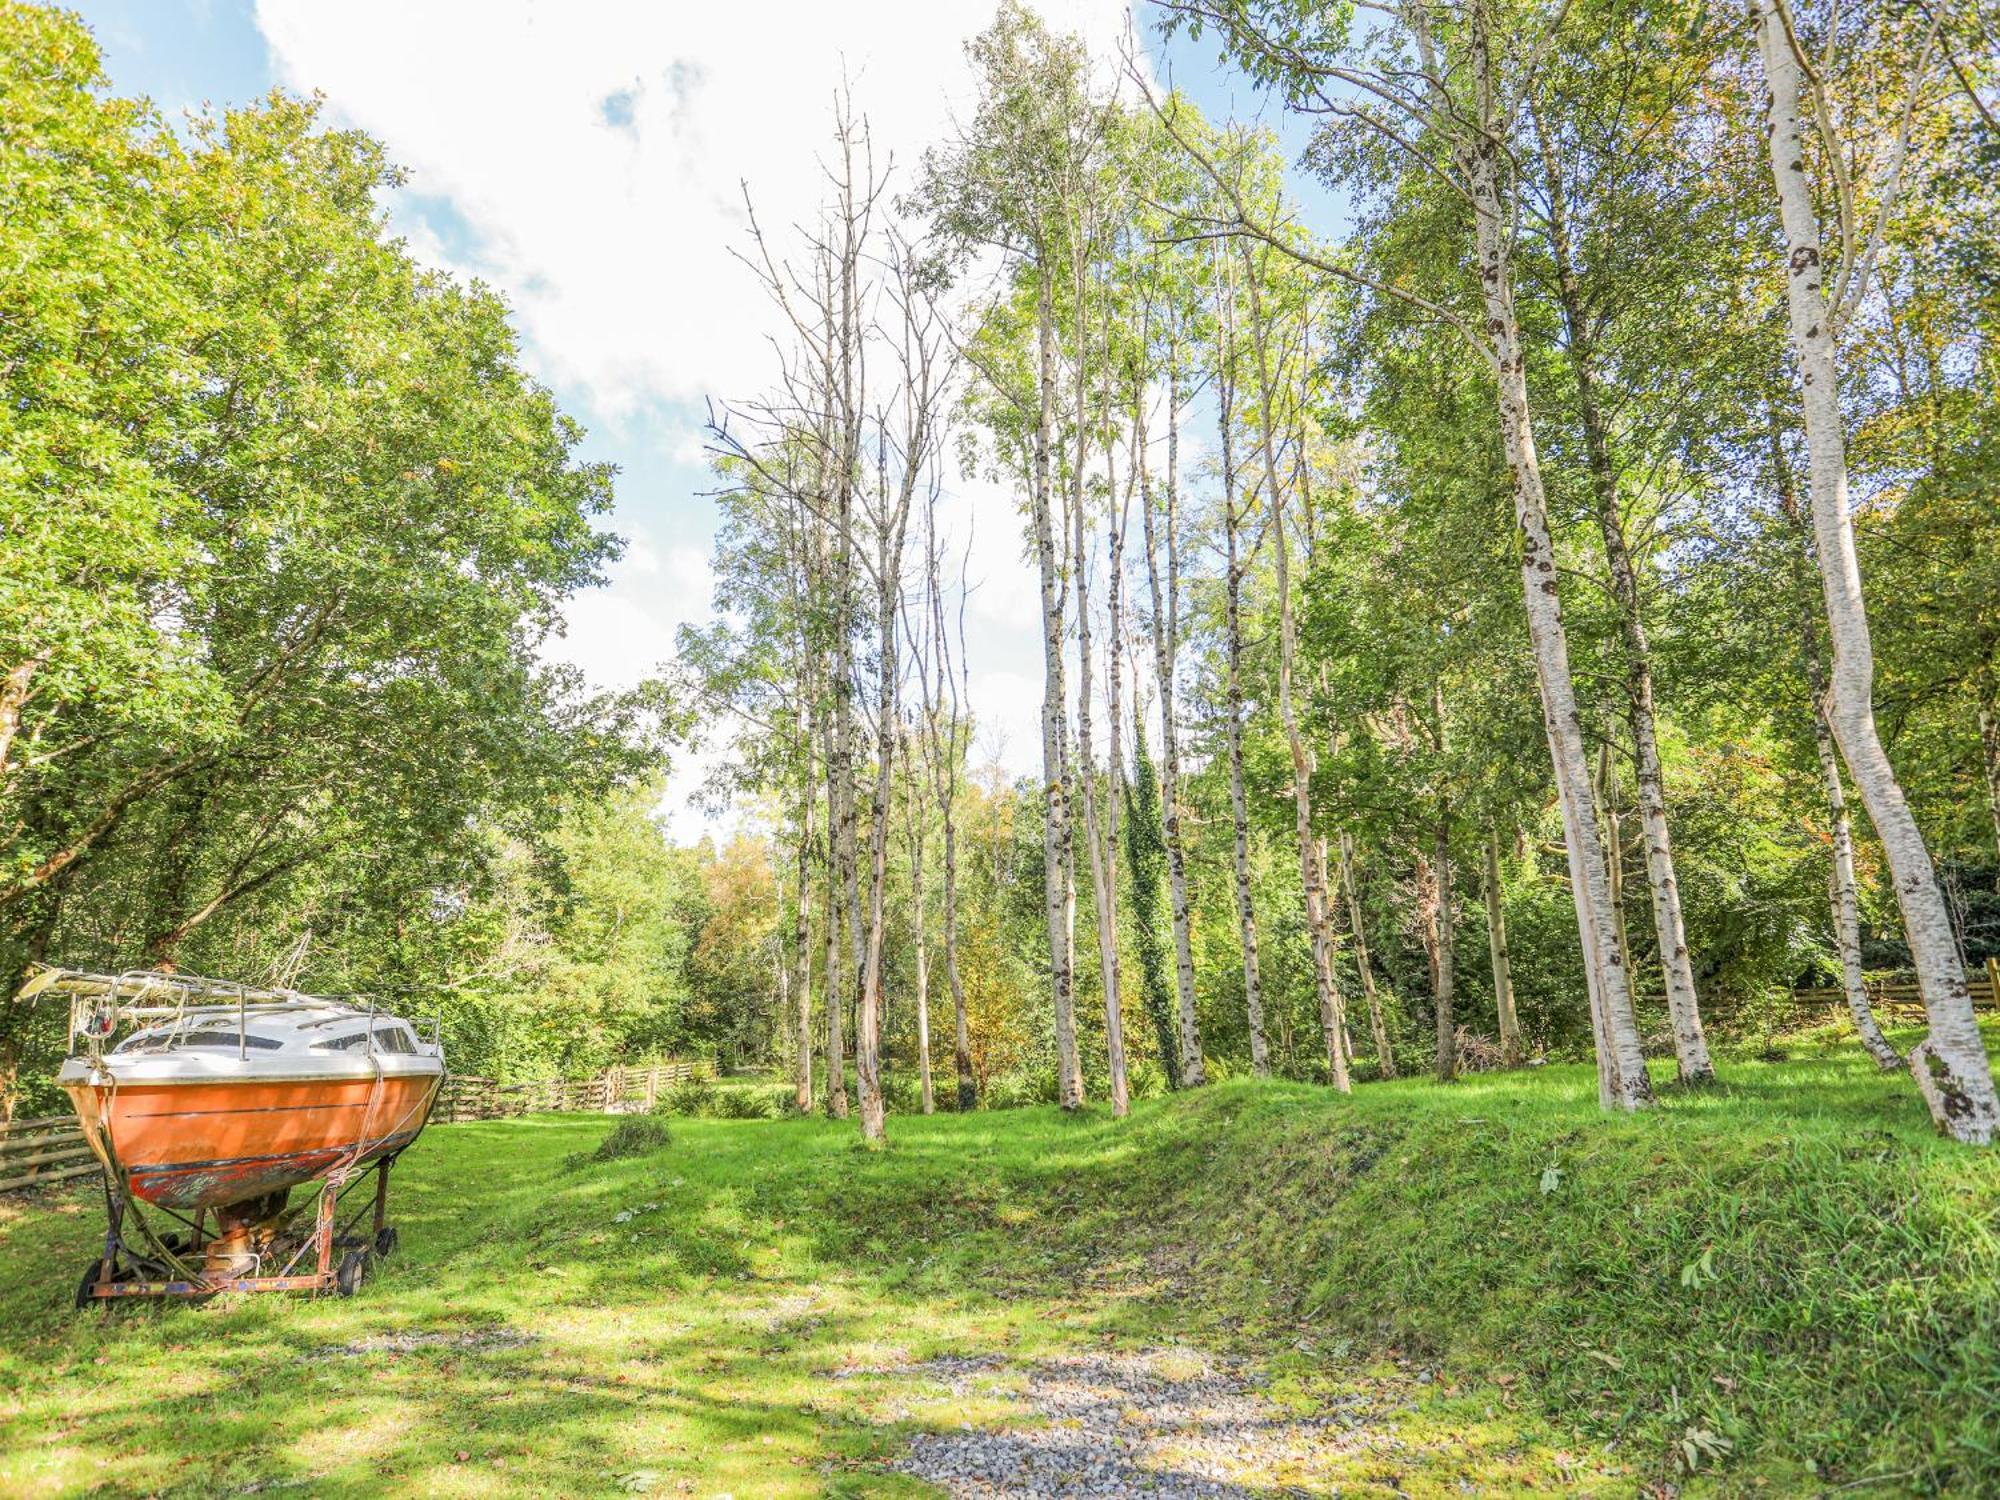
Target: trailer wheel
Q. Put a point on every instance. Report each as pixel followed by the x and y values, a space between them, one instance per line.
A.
pixel 385 1242
pixel 91 1277
pixel 353 1268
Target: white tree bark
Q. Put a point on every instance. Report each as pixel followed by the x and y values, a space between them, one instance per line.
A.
pixel 1676 964
pixel 868 1016
pixel 1846 899
pixel 1842 890
pixel 802 933
pixel 1950 1064
pixel 1237 566
pixel 1166 645
pixel 943 745
pixel 1502 960
pixel 1102 883
pixel 913 824
pixel 1614 849
pixel 845 814
pixel 1989 747
pixel 1118 512
pixel 1059 901
pixel 1332 1005
pixel 1590 881
pixel 836 1050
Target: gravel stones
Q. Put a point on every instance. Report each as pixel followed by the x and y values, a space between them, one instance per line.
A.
pixel 1170 1424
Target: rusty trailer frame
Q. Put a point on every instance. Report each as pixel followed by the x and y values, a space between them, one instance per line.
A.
pixel 163 1265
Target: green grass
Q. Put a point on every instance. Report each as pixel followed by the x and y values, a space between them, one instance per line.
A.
pixel 1789 1273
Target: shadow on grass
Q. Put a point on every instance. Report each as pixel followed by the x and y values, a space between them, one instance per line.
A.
pixel 685 1313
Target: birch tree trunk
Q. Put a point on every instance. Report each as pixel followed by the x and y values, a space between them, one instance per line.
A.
pixel 802 936
pixel 836 1051
pixel 1503 966
pixel 1059 901
pixel 1102 889
pixel 1676 966
pixel 1481 162
pixel 1238 565
pixel 1332 1008
pixel 844 888
pixel 1950 1064
pixel 1846 899
pixel 919 924
pixel 1166 646
pixel 938 679
pixel 1608 1089
pixel 868 1020
pixel 1989 746
pixel 1842 891
pixel 1117 516
pixel 1614 850
pixel 1385 1055
pixel 968 1085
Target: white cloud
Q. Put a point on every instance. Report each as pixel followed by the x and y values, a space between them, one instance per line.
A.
pixel 623 632
pixel 598 153
pixel 594 155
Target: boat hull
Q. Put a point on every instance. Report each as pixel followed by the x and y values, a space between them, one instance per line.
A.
pixel 208 1143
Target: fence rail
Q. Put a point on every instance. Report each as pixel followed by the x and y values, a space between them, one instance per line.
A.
pixel 50 1149
pixel 616 1091
pixel 1897 996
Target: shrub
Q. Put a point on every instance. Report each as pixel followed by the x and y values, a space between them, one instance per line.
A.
pixel 1019 1089
pixel 903 1092
pixel 691 1099
pixel 763 1102
pixel 1147 1079
pixel 633 1135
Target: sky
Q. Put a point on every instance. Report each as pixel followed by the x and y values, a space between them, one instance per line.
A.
pixel 589 160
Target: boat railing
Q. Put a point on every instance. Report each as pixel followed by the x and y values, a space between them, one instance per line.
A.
pixel 100 1003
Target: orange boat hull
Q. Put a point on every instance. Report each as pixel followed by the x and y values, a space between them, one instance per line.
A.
pixel 188 1145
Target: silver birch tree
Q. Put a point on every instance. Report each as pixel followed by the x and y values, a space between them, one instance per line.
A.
pixel 1950 1064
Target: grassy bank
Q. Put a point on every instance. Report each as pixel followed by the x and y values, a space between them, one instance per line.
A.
pixel 1786 1283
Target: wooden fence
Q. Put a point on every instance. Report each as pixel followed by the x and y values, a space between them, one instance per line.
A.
pixel 50 1149
pixel 617 1091
pixel 1896 997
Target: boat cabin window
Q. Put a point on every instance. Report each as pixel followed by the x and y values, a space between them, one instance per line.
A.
pixel 387 1039
pixel 142 1041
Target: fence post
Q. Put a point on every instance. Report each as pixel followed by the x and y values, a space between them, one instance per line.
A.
pixel 1992 980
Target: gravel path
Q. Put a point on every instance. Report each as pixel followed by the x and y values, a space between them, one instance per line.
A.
pixel 1170 1424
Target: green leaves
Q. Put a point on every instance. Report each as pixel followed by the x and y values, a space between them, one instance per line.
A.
pixel 285 523
pixel 1700 1271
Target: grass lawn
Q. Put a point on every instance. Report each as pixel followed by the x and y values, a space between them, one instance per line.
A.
pixel 1779 1286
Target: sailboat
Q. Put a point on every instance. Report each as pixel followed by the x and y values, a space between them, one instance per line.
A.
pixel 221 1098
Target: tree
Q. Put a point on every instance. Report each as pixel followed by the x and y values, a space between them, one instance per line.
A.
pixel 1017 181
pixel 292 523
pixel 1440 97
pixel 1950 1064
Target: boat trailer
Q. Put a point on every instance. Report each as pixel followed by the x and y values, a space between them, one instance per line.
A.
pixel 307 1246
